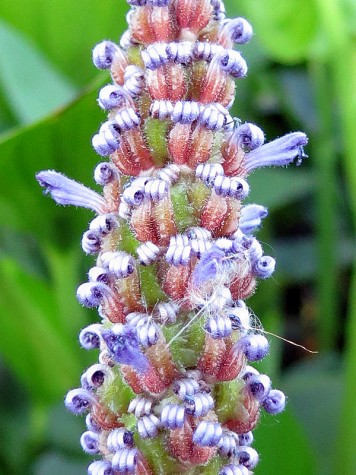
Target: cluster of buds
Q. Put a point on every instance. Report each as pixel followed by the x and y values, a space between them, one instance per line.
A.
pixel 173 390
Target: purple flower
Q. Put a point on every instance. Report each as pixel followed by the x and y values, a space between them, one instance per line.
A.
pixel 279 152
pixel 208 266
pixel 124 347
pixel 65 191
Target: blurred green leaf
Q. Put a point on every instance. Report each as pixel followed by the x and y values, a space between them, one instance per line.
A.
pixel 61 142
pixel 14 422
pixel 302 250
pixel 30 84
pixel 31 338
pixel 66 31
pixel 314 389
pixel 284 446
pixel 56 464
pixel 286 29
pixel 63 431
pixel 297 96
pixel 279 187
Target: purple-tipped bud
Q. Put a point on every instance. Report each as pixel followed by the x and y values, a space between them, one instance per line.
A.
pixel 248 136
pixel 90 336
pixel 133 195
pixel 280 152
pixel 219 9
pixel 91 424
pixel 233 187
pixel 148 426
pixel 120 264
pixel 251 217
pixel 232 469
pixel 264 267
pixel 186 387
pixel 178 253
pixel 173 416
pixel 78 401
pixel 158 3
pixel 111 96
pixel 148 253
pixel 156 189
pixel 228 443
pixel 124 460
pixel 92 294
pixel 249 373
pixel 124 347
pixel 233 63
pixel 218 326
pixel 94 376
pixel 239 318
pixel 185 112
pixel 247 456
pixel 65 191
pixel 107 141
pixel 238 29
pixel 140 406
pixel 137 3
pixel 207 434
pixel 181 52
pixel 127 119
pixel 105 173
pixel 255 250
pixel 199 404
pixel 161 109
pixel 275 402
pixel 206 51
pixel 259 386
pixel 255 347
pixel 104 53
pixel 91 242
pixel 209 171
pixel 246 439
pixel 90 442
pixel 135 84
pixel 104 224
pixel 100 467
pixel 119 439
pixel 155 56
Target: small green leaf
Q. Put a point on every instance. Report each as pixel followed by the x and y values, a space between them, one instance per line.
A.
pixel 30 84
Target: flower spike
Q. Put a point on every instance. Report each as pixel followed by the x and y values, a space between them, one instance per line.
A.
pixel 174 251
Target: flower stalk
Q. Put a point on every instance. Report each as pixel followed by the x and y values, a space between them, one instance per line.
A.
pixel 173 390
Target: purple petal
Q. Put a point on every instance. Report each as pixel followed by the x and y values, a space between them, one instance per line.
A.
pixel 280 152
pixel 124 346
pixel 65 191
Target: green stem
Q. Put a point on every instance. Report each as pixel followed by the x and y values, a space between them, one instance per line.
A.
pixel 324 157
pixel 343 66
pixel 344 74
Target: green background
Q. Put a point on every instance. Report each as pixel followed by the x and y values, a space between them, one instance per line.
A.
pixel 302 76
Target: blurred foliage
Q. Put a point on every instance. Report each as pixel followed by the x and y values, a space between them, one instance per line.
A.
pixel 302 63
